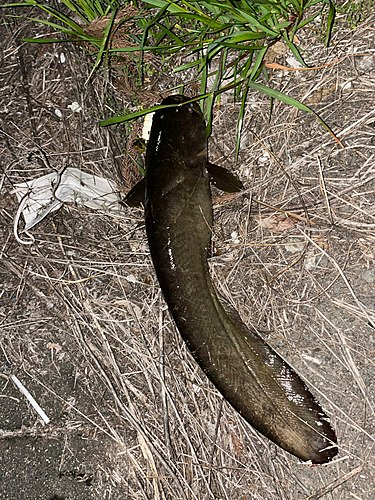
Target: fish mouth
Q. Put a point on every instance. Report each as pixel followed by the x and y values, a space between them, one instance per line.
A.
pixel 201 156
pixel 175 99
pixel 195 160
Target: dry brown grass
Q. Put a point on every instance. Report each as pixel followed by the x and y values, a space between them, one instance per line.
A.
pixel 123 376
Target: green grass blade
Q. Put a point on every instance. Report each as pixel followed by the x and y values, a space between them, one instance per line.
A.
pixel 50 40
pixel 85 12
pixel 330 22
pixel 275 94
pixel 58 27
pixel 124 118
pixel 307 21
pixel 240 119
pixel 30 3
pixel 160 4
pixel 171 35
pixel 294 49
pixel 188 65
pixel 258 63
pixel 279 95
pixel 103 45
pixel 245 36
pixel 253 21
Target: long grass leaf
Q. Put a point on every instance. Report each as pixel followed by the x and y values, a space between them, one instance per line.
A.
pixel 50 40
pixel 294 50
pixel 291 102
pixel 240 119
pixel 103 46
pixel 280 96
pixel 253 21
pixel 330 21
pixel 171 35
pixel 257 64
pixel 239 46
pixel 171 7
pixel 58 27
pixel 189 65
pixel 245 36
pixel 120 119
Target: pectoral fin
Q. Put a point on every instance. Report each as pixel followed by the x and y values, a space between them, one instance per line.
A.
pixel 223 179
pixel 136 196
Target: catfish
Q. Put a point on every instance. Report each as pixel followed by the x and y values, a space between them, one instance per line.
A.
pixel 250 375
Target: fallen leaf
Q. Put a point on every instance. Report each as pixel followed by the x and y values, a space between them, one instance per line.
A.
pixel 57 347
pixel 276 223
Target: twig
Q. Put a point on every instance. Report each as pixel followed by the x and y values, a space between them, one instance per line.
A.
pixel 323 189
pixel 335 484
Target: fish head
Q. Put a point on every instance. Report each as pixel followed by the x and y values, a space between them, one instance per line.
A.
pixel 181 128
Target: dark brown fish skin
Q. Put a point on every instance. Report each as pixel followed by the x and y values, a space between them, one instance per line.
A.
pixel 250 375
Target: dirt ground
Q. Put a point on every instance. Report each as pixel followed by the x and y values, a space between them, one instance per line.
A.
pixel 84 325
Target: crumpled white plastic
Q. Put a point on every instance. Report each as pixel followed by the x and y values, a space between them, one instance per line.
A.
pixel 46 194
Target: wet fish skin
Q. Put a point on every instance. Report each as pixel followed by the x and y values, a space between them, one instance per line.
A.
pixel 257 382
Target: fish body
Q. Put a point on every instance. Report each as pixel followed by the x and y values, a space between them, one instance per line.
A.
pixel 252 377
